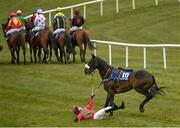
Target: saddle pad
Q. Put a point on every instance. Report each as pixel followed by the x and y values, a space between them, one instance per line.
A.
pixel 120 74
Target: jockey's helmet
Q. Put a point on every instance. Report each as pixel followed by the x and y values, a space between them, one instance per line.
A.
pixel 12 14
pixel 76 11
pixel 19 12
pixel 75 110
pixel 39 11
pixel 59 9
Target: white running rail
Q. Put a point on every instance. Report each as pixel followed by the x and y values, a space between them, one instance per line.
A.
pixel 71 7
pixel 144 46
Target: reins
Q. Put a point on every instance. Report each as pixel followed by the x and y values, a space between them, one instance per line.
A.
pixel 95 91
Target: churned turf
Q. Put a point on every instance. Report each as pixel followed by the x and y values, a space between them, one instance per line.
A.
pixel 43 94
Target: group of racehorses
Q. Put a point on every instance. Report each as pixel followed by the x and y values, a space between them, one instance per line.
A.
pixel 63 44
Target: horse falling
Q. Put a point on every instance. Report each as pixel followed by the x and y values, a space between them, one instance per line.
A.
pixel 142 81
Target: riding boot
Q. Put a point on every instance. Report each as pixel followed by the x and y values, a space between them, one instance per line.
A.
pixel 115 107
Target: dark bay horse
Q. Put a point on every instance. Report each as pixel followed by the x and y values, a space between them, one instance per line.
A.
pixel 17 40
pixel 63 40
pixel 81 39
pixel 142 81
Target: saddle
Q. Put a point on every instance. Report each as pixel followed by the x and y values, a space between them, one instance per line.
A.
pixel 117 74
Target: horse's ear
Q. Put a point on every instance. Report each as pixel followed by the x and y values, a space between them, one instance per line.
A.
pixel 93 56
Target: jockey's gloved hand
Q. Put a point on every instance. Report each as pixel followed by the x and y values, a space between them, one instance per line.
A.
pixel 76 120
pixel 92 96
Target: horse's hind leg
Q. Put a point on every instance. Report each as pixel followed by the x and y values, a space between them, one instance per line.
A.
pixel 148 97
pixel 31 55
pixel 45 55
pixel 17 52
pixel 39 54
pixel 12 55
pixel 24 54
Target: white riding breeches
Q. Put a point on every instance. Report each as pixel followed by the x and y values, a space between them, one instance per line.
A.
pixel 14 30
pixel 58 31
pixel 100 114
pixel 74 28
pixel 38 28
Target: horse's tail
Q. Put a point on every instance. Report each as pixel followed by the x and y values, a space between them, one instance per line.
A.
pixel 69 43
pixel 1 47
pixel 155 89
pixel 86 38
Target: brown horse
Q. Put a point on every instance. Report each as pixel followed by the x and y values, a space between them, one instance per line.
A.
pixel 15 41
pixel 81 39
pixel 42 41
pixel 63 40
pixel 142 81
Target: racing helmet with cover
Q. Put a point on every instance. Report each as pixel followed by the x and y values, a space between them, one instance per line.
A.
pixel 77 11
pixel 76 109
pixel 12 14
pixel 19 12
pixel 39 11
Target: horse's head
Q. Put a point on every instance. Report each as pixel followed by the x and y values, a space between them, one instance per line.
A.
pixel 91 65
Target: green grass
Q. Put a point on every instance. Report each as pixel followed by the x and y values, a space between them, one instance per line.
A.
pixel 43 94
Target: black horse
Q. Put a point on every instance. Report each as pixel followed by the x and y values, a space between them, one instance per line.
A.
pixel 142 81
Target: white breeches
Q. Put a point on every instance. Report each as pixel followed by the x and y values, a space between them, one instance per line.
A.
pixel 100 114
pixel 14 30
pixel 38 28
pixel 58 31
pixel 74 28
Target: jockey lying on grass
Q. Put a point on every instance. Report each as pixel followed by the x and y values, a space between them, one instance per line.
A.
pixel 88 113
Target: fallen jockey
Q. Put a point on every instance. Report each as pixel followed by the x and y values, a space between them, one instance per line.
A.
pixel 88 113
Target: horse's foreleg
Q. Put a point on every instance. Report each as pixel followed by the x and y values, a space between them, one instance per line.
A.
pixel 107 99
pixel 111 102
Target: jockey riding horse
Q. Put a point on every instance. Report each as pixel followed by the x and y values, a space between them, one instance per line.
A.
pixel 15 33
pixel 62 37
pixel 41 37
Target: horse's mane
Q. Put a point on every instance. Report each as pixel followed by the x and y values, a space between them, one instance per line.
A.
pixel 102 62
